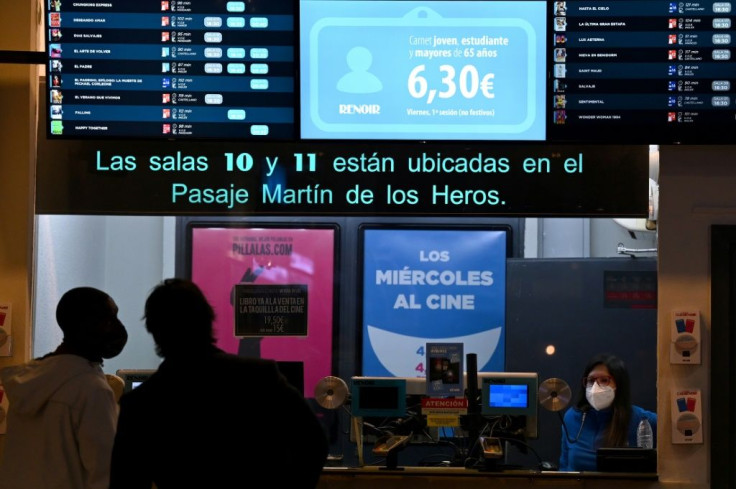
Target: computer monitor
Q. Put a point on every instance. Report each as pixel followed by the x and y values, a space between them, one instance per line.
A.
pixel 378 397
pixel 134 377
pixel 512 394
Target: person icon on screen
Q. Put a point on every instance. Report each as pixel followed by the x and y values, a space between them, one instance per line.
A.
pixel 359 79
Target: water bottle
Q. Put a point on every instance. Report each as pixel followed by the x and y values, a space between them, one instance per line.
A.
pixel 644 436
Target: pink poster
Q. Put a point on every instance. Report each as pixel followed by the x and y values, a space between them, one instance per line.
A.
pixel 225 256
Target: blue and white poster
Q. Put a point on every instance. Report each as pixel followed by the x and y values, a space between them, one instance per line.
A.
pixel 432 286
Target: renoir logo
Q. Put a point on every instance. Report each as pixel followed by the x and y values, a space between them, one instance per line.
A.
pixel 359 109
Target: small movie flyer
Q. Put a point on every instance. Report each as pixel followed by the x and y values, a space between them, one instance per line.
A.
pixel 444 369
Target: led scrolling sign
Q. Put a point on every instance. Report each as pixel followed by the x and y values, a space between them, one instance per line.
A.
pixel 280 107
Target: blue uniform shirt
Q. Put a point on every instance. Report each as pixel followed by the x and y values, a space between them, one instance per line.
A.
pixel 581 455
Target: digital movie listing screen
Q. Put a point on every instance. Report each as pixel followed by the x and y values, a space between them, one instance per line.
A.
pixel 556 71
pixel 660 69
pixel 171 69
pixel 643 71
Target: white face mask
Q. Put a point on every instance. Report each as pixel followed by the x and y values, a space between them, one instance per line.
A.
pixel 599 397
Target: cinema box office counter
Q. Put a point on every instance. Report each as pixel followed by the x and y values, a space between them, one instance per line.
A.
pixel 695 183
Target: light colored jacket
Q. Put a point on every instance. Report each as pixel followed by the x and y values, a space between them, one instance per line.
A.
pixel 61 425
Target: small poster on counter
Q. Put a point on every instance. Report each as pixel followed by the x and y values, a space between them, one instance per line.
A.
pixel 445 369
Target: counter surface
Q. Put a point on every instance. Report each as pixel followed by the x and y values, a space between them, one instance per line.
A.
pixel 458 478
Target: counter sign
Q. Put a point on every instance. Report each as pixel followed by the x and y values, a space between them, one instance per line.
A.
pixel 271 310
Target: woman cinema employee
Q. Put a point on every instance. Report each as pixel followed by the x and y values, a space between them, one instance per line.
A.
pixel 602 416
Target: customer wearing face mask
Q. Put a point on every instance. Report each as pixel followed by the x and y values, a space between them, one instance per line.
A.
pixel 62 411
pixel 602 416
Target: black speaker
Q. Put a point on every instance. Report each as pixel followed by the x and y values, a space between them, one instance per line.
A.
pixel 471 362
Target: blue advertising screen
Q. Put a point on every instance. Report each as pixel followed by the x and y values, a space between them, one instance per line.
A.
pixel 432 286
pixel 422 70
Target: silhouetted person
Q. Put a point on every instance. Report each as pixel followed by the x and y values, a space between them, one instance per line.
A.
pixel 207 418
pixel 62 412
pixel 603 415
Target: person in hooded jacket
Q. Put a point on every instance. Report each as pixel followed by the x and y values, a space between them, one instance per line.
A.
pixel 602 416
pixel 62 412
